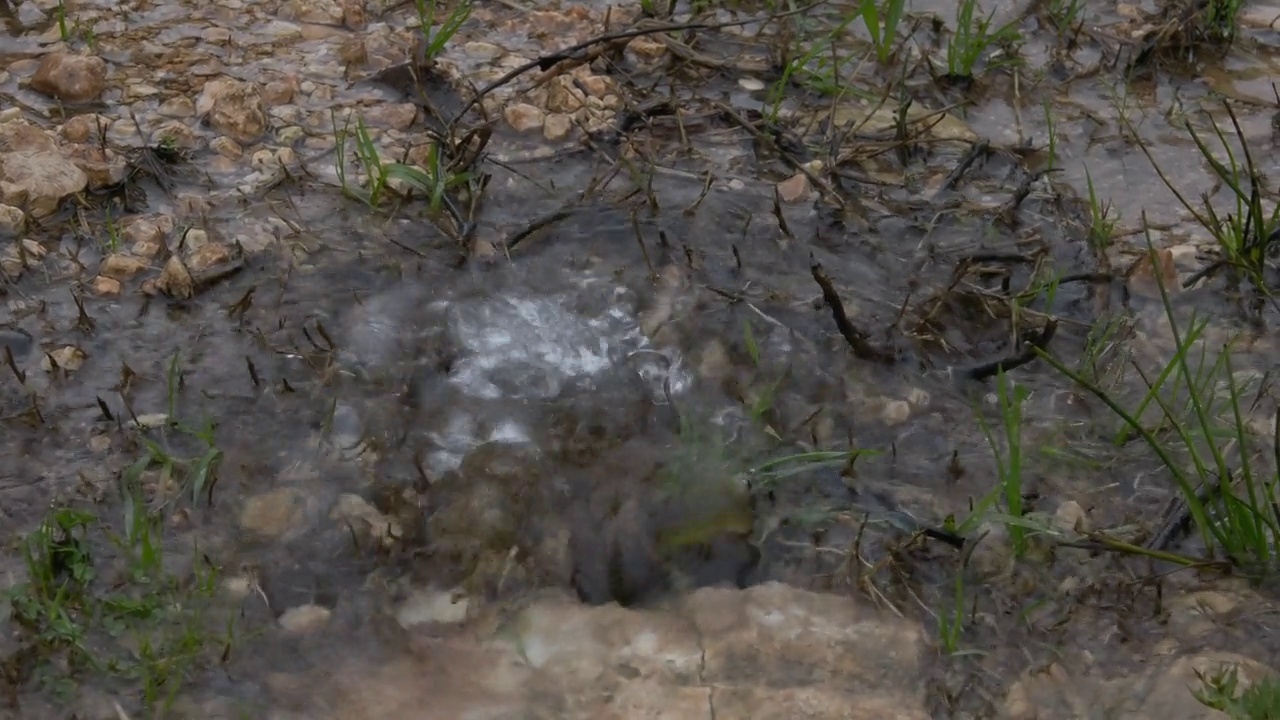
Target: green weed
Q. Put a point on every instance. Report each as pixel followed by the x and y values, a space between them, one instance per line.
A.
pixel 801 67
pixel 1218 20
pixel 1204 442
pixel 658 8
pixel 882 18
pixel 974 38
pixel 1244 234
pixel 84 30
pixel 1102 219
pixel 435 39
pixel 1066 15
pixel 1260 701
pixel 146 628
pixel 951 619
pixel 60 15
pixel 1052 130
pixel 385 179
pixel 113 232
pixel 101 596
pixel 1010 397
pixel 1104 346
pixel 769 472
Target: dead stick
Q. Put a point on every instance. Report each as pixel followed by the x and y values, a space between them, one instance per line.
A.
pixel 977 150
pixel 788 158
pixel 1026 355
pixel 857 339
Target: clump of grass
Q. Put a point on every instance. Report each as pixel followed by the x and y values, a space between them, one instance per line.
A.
pixel 123 613
pixel 1066 15
pixel 1260 701
pixel 1102 218
pixel 434 39
pixel 801 67
pixel 1223 476
pixel 882 18
pixel 1209 22
pixel 146 629
pixel 1245 233
pixel 973 39
pixel 382 179
pixel 1010 397
pixel 84 30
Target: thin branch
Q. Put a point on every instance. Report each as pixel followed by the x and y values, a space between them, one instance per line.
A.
pixel 1028 353
pixel 862 348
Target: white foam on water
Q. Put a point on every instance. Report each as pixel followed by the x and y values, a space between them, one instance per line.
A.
pixel 529 347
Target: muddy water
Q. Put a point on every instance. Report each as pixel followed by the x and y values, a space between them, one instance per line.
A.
pixel 440 455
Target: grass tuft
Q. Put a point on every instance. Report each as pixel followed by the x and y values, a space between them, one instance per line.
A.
pixel 1225 475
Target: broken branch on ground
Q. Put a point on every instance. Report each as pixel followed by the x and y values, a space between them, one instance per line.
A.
pixel 1028 353
pixel 862 347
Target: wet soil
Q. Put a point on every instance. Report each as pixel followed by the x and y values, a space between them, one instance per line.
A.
pixel 605 367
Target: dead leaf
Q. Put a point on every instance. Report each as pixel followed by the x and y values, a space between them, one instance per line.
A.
pixel 794 188
pixel 175 280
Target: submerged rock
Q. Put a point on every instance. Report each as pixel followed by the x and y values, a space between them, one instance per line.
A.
pixel 39 180
pixel 773 651
pixel 70 78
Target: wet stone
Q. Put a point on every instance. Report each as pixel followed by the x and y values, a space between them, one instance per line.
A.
pixel 207 256
pixel 1070 517
pixel 275 513
pixel 70 78
pixel 177 107
pixel 83 128
pixel 103 168
pixel 12 221
pixel 430 606
pixel 325 12
pixel 106 286
pixel 523 118
pixel 144 233
pixel 1160 690
pixel 794 189
pixel 234 108
pixel 175 280
pixel 557 127
pixel 365 521
pixel 194 239
pixel 279 92
pixel 304 619
pixel 397 117
pixel 645 50
pixel 121 267
pixel 769 652
pixel 39 180
pixel 482 50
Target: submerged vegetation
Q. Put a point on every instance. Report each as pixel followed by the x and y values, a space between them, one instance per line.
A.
pixel 117 598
